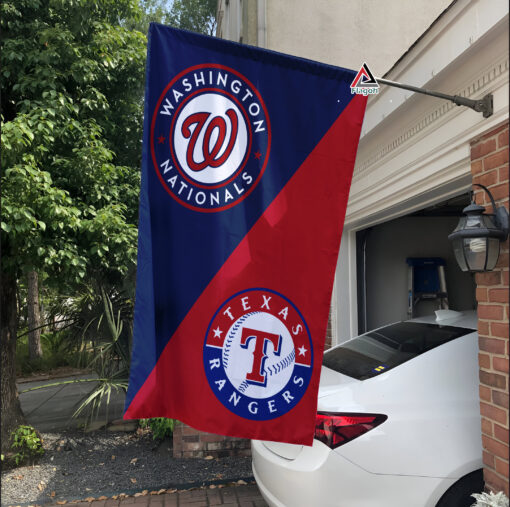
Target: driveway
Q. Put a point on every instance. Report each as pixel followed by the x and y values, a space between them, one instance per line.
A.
pixel 51 408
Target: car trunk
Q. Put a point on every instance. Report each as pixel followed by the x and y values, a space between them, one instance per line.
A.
pixel 330 382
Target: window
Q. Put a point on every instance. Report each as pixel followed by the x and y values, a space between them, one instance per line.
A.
pixel 381 350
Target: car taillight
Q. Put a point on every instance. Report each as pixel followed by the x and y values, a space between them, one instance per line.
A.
pixel 335 429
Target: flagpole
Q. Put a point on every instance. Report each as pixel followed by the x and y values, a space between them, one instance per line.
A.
pixel 483 105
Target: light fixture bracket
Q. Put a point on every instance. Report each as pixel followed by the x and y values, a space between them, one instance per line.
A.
pixel 500 214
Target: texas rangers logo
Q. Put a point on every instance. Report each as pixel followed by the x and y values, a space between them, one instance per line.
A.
pixel 210 137
pixel 258 354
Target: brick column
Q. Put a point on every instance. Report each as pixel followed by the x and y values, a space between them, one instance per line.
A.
pixel 191 443
pixel 489 167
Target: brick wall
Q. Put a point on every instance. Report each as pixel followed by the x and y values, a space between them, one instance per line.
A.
pixel 489 167
pixel 191 443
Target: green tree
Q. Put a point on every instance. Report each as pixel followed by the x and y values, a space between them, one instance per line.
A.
pixel 195 15
pixel 72 77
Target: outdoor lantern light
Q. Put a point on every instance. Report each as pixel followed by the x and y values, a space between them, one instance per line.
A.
pixel 477 237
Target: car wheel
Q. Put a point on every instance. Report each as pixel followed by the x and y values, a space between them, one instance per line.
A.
pixel 459 494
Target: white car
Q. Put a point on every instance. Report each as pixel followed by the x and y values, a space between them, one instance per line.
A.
pixel 398 423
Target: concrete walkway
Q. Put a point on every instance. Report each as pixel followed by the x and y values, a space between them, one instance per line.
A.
pixel 51 408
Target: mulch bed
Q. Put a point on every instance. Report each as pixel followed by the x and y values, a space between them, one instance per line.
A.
pixel 78 465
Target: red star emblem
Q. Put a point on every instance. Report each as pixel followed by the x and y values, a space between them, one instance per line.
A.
pixel 161 139
pixel 258 155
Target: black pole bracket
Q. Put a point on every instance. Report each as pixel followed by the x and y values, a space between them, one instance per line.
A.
pixel 484 105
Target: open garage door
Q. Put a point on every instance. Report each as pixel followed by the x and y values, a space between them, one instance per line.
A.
pixel 383 270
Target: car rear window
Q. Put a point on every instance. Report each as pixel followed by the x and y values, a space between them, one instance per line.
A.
pixel 381 350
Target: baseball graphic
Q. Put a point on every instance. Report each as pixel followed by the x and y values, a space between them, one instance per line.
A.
pixel 277 365
pixel 258 354
pixel 211 138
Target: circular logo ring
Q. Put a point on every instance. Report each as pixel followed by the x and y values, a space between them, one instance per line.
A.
pixel 258 354
pixel 210 138
pixel 201 126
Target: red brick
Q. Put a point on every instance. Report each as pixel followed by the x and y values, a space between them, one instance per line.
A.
pixel 503 174
pixel 495 160
pixel 500 192
pixel 503 139
pixel 499 329
pixel 498 295
pixel 506 277
pixel 502 467
pixel 500 364
pixel 191 446
pixel 494 482
pixel 501 433
pixel 500 398
pixel 488 459
pixel 170 499
pixel 481 197
pixel 497 448
pixel 503 260
pixel 127 500
pixel 208 437
pixel 483 327
pixel 491 345
pixel 487 178
pixel 487 427
pixel 493 379
pixel 483 148
pixel 476 167
pixel 490 312
pixel 485 393
pixel 484 361
pixel 187 430
pixel 490 278
pixel 492 133
pixel 481 294
pixel 494 413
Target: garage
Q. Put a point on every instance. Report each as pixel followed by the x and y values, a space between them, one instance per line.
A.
pixel 414 247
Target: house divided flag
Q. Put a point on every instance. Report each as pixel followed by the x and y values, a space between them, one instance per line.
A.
pixel 247 162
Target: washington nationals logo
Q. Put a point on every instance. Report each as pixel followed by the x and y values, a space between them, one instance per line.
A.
pixel 211 157
pixel 258 354
pixel 210 138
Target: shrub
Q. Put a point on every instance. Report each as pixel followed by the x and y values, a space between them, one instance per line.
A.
pixel 490 499
pixel 161 427
pixel 26 444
